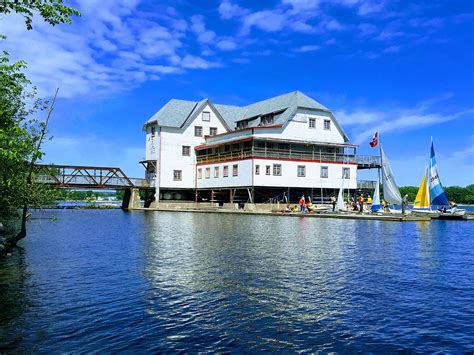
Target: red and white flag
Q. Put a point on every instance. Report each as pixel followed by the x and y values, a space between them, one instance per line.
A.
pixel 375 140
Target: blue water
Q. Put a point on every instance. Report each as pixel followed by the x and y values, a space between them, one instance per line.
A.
pixel 108 280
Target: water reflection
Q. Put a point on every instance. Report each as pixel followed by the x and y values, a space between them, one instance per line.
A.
pixel 153 282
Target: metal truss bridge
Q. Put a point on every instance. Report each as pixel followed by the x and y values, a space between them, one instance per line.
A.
pixel 87 177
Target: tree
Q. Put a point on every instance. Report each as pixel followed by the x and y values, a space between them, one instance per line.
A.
pixel 52 11
pixel 21 133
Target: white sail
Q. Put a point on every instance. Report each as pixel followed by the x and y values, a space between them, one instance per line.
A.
pixel 340 201
pixel 391 193
pixel 376 206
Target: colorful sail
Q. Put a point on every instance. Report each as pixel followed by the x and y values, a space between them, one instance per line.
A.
pixel 376 206
pixel 422 200
pixel 391 193
pixel 437 195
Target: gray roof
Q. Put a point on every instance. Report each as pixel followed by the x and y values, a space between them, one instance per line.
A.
pixel 176 112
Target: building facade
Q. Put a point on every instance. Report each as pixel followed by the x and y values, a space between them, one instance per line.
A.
pixel 275 149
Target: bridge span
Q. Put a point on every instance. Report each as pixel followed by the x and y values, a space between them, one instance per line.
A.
pixel 87 177
pixel 96 177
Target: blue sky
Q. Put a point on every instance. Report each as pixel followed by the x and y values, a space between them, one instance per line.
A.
pixel 401 68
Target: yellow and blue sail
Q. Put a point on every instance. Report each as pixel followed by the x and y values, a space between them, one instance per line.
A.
pixel 437 194
pixel 422 200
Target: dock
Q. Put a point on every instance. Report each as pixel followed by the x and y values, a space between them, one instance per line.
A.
pixel 343 215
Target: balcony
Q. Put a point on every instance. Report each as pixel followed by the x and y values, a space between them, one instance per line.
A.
pixel 275 153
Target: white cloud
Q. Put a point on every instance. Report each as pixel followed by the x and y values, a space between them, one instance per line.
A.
pixel 226 45
pixel 365 122
pixel 198 26
pixel 104 52
pixel 308 48
pixel 227 10
pixel 194 62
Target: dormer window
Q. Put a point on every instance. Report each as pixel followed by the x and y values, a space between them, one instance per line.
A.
pixel 266 119
pixel 206 116
pixel 242 124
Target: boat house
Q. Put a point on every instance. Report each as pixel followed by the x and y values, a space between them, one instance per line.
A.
pixel 271 150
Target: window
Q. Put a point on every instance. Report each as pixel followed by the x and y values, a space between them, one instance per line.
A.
pixel 186 150
pixel 327 124
pixel 324 172
pixel 227 148
pixel 216 172
pixel 199 173
pixel 257 169
pixel 197 131
pixel 266 119
pixel 225 171
pixel 152 131
pixel 277 169
pixel 177 175
pixel 301 170
pixel 235 170
pixel 208 173
pixel 312 123
pixel 212 131
pixel 242 124
pixel 206 116
pixel 267 169
pixel 346 173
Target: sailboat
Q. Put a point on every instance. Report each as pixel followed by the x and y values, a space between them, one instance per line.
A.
pixel 431 194
pixel 422 203
pixel 376 206
pixel 391 192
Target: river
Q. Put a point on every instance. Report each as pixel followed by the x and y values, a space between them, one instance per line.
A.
pixel 108 280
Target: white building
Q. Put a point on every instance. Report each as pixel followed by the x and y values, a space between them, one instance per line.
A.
pixel 282 146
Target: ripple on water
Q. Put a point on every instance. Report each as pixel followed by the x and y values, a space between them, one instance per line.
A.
pixel 115 281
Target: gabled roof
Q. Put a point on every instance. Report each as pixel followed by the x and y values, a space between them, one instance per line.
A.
pixel 176 112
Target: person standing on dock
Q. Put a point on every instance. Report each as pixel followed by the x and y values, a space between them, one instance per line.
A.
pixel 333 203
pixel 302 204
pixel 404 203
pixel 361 203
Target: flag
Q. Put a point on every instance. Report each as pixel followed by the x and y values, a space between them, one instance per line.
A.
pixel 375 140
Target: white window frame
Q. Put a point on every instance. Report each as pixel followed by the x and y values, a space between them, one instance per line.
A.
pixel 199 173
pixel 207 173
pixel 344 171
pixel 327 125
pixel 301 171
pixel 210 131
pixel 257 169
pixel 277 168
pixel 312 123
pixel 188 148
pixel 225 171
pixel 216 171
pixel 326 169
pixel 206 114
pixel 235 170
pixel 196 128
pixel 177 175
pixel 268 169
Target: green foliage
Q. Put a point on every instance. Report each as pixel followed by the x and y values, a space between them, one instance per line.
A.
pixel 458 194
pixel 81 195
pixel 52 11
pixel 19 133
pixel 410 190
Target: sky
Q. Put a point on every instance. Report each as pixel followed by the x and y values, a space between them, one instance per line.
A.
pixel 402 68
